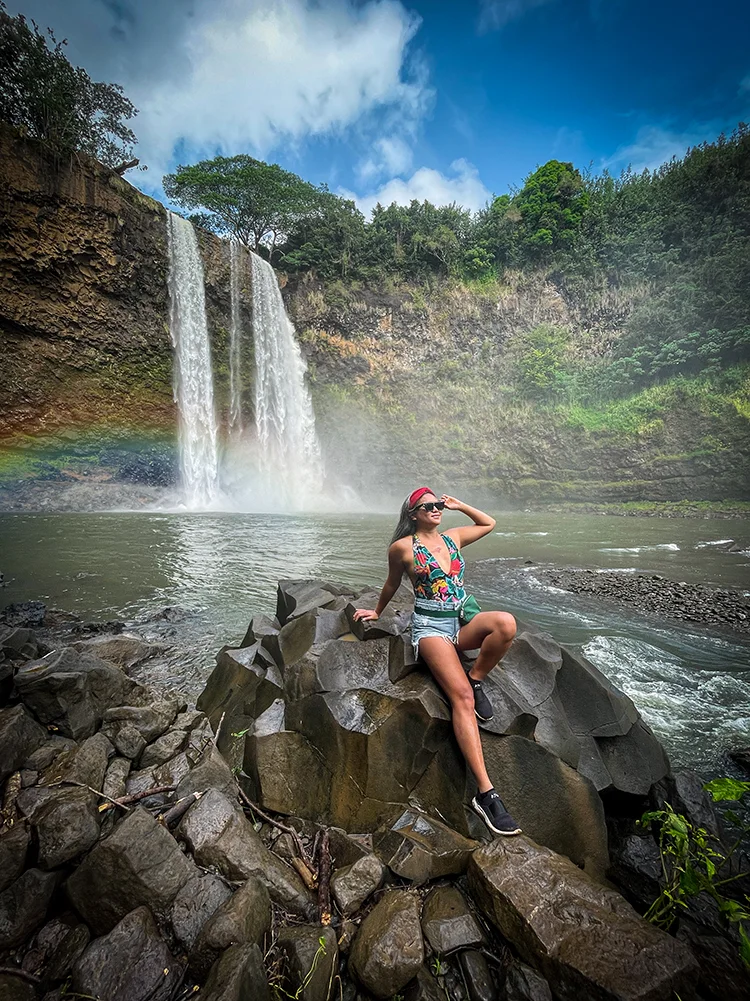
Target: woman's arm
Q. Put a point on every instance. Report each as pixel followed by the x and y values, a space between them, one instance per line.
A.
pixel 466 534
pixel 395 573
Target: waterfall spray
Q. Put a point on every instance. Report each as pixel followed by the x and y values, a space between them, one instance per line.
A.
pixel 193 377
pixel 290 454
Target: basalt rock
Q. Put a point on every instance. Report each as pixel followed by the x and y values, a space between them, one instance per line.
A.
pixel 56 949
pixel 14 847
pixel 245 917
pixel 417 847
pixel 131 963
pixel 353 884
pixel 447 922
pixel 477 976
pixel 20 736
pixel 583 937
pixel 65 821
pixel 23 906
pixel 388 950
pixel 194 904
pixel 237 975
pixel 72 691
pixel 140 863
pixel 219 835
pixel 311 960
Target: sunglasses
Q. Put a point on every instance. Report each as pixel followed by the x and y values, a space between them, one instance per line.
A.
pixel 431 506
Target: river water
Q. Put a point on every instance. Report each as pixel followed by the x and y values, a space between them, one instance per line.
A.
pixel 691 685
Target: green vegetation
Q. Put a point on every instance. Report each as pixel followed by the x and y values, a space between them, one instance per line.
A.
pixel 695 862
pixel 48 98
pixel 245 198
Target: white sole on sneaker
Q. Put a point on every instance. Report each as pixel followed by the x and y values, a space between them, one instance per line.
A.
pixel 488 822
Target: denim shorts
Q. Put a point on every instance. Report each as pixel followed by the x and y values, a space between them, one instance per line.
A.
pixel 427 625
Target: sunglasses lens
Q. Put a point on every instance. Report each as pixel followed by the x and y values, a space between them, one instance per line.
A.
pixel 434 506
pixel 440 505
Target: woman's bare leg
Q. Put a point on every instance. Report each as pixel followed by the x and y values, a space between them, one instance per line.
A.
pixel 442 660
pixel 491 633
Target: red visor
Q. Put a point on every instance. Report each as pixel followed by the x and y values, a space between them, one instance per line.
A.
pixel 413 498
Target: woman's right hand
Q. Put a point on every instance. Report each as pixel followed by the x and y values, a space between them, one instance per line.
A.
pixel 365 615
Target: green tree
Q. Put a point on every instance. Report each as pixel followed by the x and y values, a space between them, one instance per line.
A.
pixel 255 202
pixel 330 240
pixel 48 98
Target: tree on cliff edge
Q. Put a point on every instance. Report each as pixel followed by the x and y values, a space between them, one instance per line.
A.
pixel 48 98
pixel 255 202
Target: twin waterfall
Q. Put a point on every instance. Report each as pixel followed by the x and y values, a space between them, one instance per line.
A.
pixel 274 462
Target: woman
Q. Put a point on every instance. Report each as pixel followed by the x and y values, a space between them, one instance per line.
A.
pixel 434 564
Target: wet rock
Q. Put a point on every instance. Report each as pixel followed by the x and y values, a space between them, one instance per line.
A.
pixel 20 736
pixel 86 763
pixel 128 741
pixel 219 835
pixel 211 772
pixel 584 938
pixel 151 721
pixel 388 950
pixel 194 904
pixel 239 688
pixel 742 757
pixel 13 988
pixel 244 917
pixel 43 757
pixel 57 948
pixel 522 983
pixel 171 773
pixel 72 691
pixel 311 961
pixel 295 597
pixel 14 847
pixel 477 976
pixel 721 972
pixel 238 975
pixel 635 863
pixel 401 658
pixel 420 848
pixel 553 804
pixel 140 863
pixel 311 629
pixel 592 704
pixel 684 792
pixel 447 922
pixel 66 822
pixel 189 720
pixel 131 963
pixel 20 644
pixel 347 848
pixel 635 760
pixel 353 884
pixel 163 748
pixel 263 630
pixel 283 771
pixel 424 988
pixel 123 650
pixel 115 778
pixel 23 906
pixel 24 614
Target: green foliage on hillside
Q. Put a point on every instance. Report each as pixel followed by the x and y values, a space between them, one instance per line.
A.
pixel 246 198
pixel 49 99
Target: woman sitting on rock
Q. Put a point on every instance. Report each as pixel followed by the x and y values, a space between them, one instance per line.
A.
pixel 434 564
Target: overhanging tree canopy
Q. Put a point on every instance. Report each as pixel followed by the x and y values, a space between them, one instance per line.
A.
pixel 253 201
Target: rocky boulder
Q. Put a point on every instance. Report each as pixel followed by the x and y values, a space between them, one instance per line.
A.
pixel 583 937
pixel 388 950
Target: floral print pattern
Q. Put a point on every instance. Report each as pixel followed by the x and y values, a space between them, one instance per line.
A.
pixel 432 583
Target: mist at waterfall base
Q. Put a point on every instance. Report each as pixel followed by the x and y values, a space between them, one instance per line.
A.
pixel 275 462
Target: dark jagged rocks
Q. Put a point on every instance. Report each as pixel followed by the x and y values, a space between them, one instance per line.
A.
pixel 132 865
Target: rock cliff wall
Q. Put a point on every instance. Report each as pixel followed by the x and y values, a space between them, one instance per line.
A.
pixel 405 381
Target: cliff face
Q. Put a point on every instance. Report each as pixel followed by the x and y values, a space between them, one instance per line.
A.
pixel 406 382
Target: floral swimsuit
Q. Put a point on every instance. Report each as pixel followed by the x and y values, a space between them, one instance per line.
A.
pixel 438 595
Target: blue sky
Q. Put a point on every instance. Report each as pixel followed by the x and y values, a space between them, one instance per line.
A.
pixel 389 100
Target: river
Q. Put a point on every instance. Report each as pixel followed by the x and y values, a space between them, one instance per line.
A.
pixel 691 685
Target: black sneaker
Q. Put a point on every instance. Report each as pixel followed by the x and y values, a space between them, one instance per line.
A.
pixel 491 809
pixel 482 705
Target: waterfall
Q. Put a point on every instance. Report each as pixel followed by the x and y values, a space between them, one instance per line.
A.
pixel 290 454
pixel 235 341
pixel 193 378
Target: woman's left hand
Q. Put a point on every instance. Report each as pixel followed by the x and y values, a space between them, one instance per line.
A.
pixel 451 503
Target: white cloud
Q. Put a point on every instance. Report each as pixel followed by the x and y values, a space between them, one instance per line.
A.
pixel 495 14
pixel 464 187
pixel 655 145
pixel 389 156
